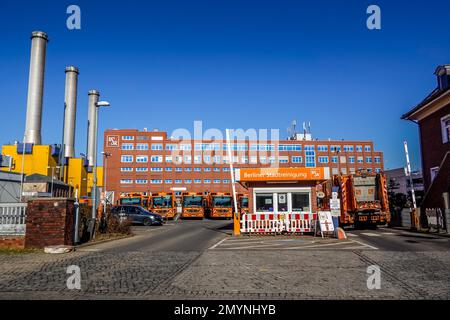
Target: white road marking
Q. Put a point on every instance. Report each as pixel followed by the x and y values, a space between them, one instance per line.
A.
pixel 316 245
pixel 352 235
pixel 276 246
pixel 388 233
pixel 364 244
pixel 218 243
pixel 370 234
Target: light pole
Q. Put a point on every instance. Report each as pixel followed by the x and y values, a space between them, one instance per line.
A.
pixel 106 155
pixel 23 169
pixel 94 185
pixel 53 177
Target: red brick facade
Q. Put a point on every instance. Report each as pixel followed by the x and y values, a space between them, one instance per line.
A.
pixel 211 175
pixel 12 242
pixel 50 222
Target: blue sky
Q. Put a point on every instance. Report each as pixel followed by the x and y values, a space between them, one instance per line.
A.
pixel 237 64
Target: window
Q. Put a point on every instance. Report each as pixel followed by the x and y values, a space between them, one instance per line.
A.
pixel 344 170
pixel 169 159
pixel 207 181
pixel 216 181
pixel 217 159
pixel 226 169
pixel 377 159
pixel 253 159
pixel 323 159
pixel 216 169
pixel 169 169
pixel 178 181
pixel 367 148
pixel 197 169
pixel 185 147
pixel 264 202
pixel 296 159
pixel 179 169
pixel 141 169
pixel 368 159
pixel 309 148
pixel 310 158
pixel 126 169
pixel 360 160
pixel 300 201
pixel 197 181
pixel 283 160
pixel 334 171
pixel 377 170
pixel 126 181
pixel 168 181
pixel 207 159
pixel 349 148
pixel 335 148
pixel 226 181
pixel 352 170
pixel 207 169
pixel 334 159
pixel 187 169
pixel 197 159
pixel 156 169
pixel 127 138
pixel 244 159
pixel 126 159
pixel 359 148
pixel 445 125
pixel 290 147
pixel 142 138
pixel 141 181
pixel 141 159
pixel 127 146
pixel 262 159
pixel 187 159
pixel 157 146
pixel 157 159
pixel 351 159
pixel 322 148
pixel 262 147
pixel 188 181
pixel 171 147
pixel 142 146
pixel 156 181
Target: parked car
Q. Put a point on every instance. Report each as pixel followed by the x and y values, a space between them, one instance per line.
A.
pixel 138 214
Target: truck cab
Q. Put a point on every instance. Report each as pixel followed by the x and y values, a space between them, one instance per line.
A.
pixel 193 205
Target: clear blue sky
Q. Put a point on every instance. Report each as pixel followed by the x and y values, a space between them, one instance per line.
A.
pixel 237 64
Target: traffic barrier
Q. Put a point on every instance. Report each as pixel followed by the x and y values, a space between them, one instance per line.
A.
pixel 277 223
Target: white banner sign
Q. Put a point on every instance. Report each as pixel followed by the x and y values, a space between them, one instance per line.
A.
pixel 326 222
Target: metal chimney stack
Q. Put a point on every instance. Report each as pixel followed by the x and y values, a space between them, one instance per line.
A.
pixel 70 111
pixel 39 41
pixel 92 126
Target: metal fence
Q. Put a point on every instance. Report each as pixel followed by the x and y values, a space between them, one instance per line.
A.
pixel 12 218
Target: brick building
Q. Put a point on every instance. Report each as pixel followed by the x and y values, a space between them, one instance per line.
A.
pixel 150 161
pixel 433 118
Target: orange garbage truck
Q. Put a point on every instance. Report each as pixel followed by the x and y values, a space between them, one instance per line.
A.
pixel 243 204
pixel 135 199
pixel 363 198
pixel 193 205
pixel 220 205
pixel 164 205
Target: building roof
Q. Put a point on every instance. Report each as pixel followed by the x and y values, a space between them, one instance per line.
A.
pixel 435 94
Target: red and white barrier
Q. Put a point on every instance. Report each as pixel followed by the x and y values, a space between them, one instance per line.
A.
pixel 277 223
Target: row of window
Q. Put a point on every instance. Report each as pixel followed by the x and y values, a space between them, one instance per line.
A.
pixel 242 147
pixel 176 181
pixel 310 158
pixel 170 169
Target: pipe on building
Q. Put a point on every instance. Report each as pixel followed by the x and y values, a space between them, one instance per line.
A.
pixel 92 126
pixel 39 41
pixel 70 112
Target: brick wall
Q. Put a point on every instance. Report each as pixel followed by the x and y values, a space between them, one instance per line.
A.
pixel 12 242
pixel 49 222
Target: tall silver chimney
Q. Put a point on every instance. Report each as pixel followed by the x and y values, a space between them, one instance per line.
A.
pixel 92 126
pixel 39 41
pixel 70 111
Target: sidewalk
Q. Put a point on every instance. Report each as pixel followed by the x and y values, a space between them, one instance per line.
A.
pixel 446 235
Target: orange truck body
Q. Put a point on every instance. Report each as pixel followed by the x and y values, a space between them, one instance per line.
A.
pixel 363 197
pixel 193 205
pixel 219 205
pixel 243 204
pixel 164 205
pixel 136 199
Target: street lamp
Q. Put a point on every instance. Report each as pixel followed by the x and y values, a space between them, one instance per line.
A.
pixel 106 155
pixel 53 176
pixel 94 185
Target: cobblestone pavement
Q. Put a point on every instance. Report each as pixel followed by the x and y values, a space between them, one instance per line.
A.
pixel 216 273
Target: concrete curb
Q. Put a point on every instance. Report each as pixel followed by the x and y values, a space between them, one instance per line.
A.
pixel 92 243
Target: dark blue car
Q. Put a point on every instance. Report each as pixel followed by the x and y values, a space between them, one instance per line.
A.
pixel 138 215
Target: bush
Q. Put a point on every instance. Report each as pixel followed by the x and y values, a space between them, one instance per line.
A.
pixel 113 224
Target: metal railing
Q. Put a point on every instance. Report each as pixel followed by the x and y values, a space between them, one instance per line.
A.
pixel 12 218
